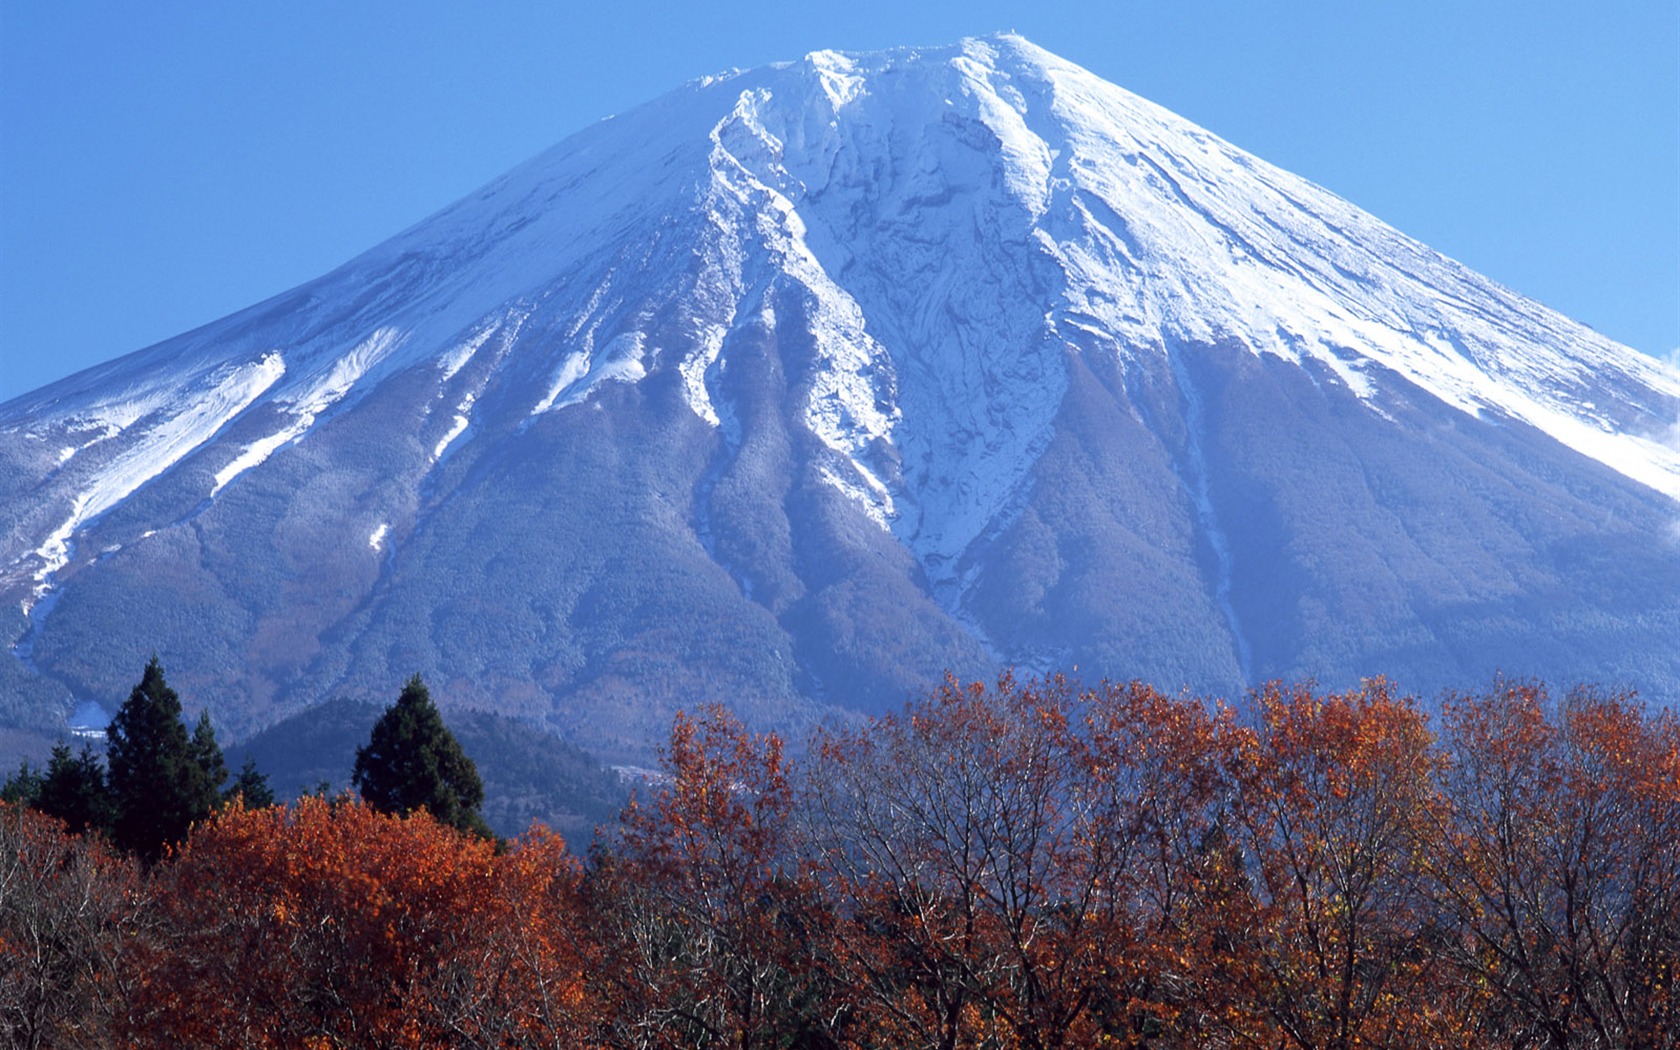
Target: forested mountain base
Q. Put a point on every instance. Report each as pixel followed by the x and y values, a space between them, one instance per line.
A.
pixel 1007 866
pixel 528 774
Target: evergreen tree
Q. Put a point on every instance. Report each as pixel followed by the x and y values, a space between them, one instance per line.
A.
pixel 23 787
pixel 250 785
pixel 208 754
pixel 159 779
pixel 74 791
pixel 414 761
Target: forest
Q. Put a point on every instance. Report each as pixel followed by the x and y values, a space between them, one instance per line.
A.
pixel 1010 864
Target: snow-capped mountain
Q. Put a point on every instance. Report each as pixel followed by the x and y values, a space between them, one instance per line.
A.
pixel 799 385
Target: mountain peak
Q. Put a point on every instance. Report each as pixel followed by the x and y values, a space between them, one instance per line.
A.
pixel 944 356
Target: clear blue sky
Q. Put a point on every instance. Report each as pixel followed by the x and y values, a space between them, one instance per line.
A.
pixel 164 164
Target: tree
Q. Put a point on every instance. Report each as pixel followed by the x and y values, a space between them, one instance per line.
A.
pixel 710 928
pixel 23 787
pixel 326 923
pixel 251 786
pixel 208 754
pixel 414 762
pixel 1558 866
pixel 1161 771
pixel 162 780
pixel 1334 794
pixel 72 916
pixel 74 791
pixel 987 848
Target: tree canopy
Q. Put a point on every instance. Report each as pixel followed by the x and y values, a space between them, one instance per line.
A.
pixel 162 780
pixel 412 761
pixel 74 791
pixel 1019 866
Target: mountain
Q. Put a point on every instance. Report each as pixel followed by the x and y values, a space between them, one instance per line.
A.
pixel 800 385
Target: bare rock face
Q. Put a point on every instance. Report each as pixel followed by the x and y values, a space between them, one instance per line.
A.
pixel 799 386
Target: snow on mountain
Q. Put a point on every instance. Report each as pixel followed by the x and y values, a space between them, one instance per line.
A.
pixel 307 403
pixel 926 282
pixel 159 428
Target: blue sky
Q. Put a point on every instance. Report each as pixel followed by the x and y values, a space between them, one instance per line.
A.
pixel 164 164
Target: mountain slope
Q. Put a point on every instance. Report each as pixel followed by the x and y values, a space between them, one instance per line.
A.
pixel 800 385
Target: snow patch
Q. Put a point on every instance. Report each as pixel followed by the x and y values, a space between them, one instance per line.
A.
pixel 849 403
pixel 837 77
pixel 307 404
pixel 252 455
pixel 1026 159
pixel 376 541
pixel 454 360
pixel 863 488
pixel 1165 231
pixel 159 441
pixel 463 419
pixel 693 369
pixel 582 371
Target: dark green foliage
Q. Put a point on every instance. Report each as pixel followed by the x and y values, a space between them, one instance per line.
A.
pixel 162 779
pixel 208 754
pixel 74 791
pixel 22 787
pixel 413 761
pixel 251 786
pixel 529 774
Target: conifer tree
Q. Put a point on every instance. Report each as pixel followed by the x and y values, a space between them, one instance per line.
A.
pixel 251 786
pixel 23 787
pixel 208 754
pixel 74 791
pixel 161 778
pixel 413 761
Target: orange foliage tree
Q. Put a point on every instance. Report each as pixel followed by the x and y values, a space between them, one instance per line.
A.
pixel 1005 863
pixel 1164 769
pixel 1330 947
pixel 701 904
pixel 329 924
pixel 1558 866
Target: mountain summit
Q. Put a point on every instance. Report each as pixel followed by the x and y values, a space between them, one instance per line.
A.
pixel 799 385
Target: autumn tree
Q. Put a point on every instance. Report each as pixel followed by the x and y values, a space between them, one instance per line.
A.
pixel 1333 796
pixel 162 780
pixel 702 905
pixel 1162 772
pixel 72 913
pixel 414 762
pixel 329 923
pixel 1003 865
pixel 1558 866
pixel 982 848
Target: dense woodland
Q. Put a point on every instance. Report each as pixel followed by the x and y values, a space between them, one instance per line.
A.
pixel 1004 865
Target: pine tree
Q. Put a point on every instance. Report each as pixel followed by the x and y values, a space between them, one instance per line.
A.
pixel 251 786
pixel 23 787
pixel 208 754
pixel 74 791
pixel 414 761
pixel 161 778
